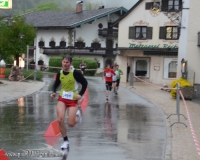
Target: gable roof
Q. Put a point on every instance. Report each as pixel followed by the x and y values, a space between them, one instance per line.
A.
pixel 69 19
pixel 3 14
pixel 127 13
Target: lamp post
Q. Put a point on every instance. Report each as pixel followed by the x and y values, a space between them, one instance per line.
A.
pixel 184 68
pixel 21 36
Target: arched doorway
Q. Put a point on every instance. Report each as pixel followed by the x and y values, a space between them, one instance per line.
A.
pixel 141 67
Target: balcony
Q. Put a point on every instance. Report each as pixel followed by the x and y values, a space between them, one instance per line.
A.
pixel 108 32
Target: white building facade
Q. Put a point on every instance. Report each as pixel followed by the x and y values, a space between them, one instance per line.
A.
pixel 148 41
pixel 80 33
pixel 190 41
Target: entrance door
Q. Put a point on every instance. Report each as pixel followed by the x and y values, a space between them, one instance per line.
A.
pixel 141 67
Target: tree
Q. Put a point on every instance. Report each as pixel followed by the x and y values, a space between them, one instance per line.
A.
pixel 10 42
pixel 50 6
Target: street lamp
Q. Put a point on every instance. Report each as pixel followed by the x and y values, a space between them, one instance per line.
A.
pixel 21 36
pixel 184 68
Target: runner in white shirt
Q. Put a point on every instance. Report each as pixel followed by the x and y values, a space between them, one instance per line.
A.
pixel 115 81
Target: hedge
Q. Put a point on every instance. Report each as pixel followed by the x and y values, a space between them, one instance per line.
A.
pixel 91 64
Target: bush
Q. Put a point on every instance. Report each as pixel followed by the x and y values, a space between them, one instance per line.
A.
pixel 9 61
pixel 90 64
pixel 57 62
pixel 183 83
pixel 29 75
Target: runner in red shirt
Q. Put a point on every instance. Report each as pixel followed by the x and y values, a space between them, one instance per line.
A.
pixel 108 74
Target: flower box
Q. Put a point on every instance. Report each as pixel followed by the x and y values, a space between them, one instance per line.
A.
pixel 188 92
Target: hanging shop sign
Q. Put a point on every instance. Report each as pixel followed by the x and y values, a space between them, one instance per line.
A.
pixel 141 46
pixel 5 4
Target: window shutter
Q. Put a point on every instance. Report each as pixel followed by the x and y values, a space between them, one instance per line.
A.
pixel 180 4
pixel 149 32
pixel 148 5
pixel 162 34
pixel 164 6
pixel 179 32
pixel 131 32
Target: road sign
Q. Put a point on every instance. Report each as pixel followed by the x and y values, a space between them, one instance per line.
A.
pixel 5 4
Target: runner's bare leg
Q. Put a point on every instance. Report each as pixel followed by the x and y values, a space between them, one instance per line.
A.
pixel 61 110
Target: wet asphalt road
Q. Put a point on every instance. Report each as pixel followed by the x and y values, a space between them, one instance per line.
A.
pixel 127 128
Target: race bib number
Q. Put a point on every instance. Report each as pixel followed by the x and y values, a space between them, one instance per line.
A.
pixel 82 66
pixel 68 95
pixel 108 74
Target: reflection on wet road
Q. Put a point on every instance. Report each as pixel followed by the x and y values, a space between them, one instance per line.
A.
pixel 128 127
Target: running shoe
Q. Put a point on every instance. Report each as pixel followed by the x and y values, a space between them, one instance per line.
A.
pixel 116 93
pixel 78 113
pixel 65 145
pixel 65 154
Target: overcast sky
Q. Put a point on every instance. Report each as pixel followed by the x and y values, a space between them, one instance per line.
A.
pixel 115 3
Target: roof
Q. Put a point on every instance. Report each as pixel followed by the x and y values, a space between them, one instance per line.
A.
pixel 69 19
pixel 3 14
pixel 127 13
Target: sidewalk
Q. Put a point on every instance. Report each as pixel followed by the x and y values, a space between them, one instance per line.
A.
pixel 180 141
pixel 11 90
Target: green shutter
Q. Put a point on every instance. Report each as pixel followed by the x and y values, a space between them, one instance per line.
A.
pixel 179 32
pixel 164 6
pixel 180 4
pixel 162 33
pixel 149 32
pixel 148 5
pixel 131 32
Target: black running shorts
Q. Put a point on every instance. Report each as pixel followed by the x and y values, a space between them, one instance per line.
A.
pixel 117 82
pixel 108 86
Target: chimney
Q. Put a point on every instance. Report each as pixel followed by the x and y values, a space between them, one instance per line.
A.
pixel 79 6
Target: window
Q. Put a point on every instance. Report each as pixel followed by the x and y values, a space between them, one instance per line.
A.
pixel 41 44
pixel 62 44
pixel 140 32
pixel 171 5
pixel 170 32
pixel 170 67
pixel 52 44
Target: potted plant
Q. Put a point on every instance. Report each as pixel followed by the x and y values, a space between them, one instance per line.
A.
pixel 80 43
pixel 40 61
pixel 96 44
pixel 186 88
